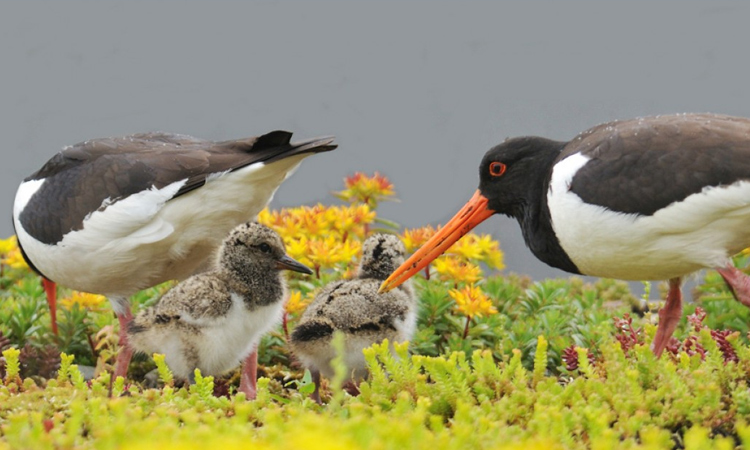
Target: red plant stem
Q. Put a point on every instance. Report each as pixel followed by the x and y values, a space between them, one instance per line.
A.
pixel 466 327
pixel 427 273
pixel 91 344
pixel 317 271
pixel 285 325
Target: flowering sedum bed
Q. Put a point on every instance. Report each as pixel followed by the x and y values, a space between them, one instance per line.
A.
pixel 498 361
pixel 450 401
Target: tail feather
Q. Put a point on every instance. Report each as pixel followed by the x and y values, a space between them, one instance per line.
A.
pixel 315 145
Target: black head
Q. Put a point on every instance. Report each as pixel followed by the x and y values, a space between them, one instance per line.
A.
pixel 252 247
pixel 511 177
pixel 512 174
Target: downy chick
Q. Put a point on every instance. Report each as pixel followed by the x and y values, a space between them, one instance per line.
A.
pixel 355 308
pixel 214 320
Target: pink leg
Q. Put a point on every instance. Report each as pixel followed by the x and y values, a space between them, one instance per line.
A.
pixel 126 352
pixel 50 288
pixel 738 283
pixel 249 376
pixel 669 317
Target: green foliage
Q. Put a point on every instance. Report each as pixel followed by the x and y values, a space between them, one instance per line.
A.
pixel 12 365
pixel 632 401
pixel 165 375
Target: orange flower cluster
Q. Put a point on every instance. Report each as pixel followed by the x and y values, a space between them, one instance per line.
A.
pixel 415 238
pixel 365 189
pixel 322 237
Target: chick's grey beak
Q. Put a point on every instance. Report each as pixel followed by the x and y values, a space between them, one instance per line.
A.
pixel 287 263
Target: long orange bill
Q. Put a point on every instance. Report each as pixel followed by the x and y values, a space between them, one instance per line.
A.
pixel 472 214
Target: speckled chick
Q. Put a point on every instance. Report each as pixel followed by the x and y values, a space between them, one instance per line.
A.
pixel 355 308
pixel 214 320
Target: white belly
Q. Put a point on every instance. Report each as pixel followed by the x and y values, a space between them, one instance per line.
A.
pixel 702 231
pixel 147 239
pixel 224 346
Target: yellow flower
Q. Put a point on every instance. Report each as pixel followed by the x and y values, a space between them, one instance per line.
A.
pixel 466 248
pixel 471 301
pixel 329 251
pixel 416 237
pixel 314 220
pixel 367 190
pixel 350 220
pixel 14 260
pixel 490 250
pixel 8 245
pixel 298 248
pixel 269 218
pixel 83 299
pixel 479 248
pixel 296 303
pixel 453 269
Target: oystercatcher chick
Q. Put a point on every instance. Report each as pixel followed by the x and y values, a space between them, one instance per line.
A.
pixel 654 198
pixel 114 216
pixel 214 320
pixel 356 309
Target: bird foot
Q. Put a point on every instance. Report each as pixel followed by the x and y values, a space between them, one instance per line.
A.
pixel 738 283
pixel 669 317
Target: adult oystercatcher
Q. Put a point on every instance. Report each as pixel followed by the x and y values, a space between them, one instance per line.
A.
pixel 356 309
pixel 214 320
pixel 652 198
pixel 116 215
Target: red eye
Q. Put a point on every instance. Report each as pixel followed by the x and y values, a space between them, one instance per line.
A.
pixel 497 169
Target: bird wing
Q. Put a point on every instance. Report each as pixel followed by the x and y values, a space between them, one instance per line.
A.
pixel 200 301
pixel 640 166
pixel 96 174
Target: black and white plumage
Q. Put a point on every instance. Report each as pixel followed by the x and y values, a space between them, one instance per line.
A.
pixel 643 199
pixel 214 320
pixel 356 309
pixel 116 215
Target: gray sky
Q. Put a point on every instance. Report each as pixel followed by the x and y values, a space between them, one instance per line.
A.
pixel 416 90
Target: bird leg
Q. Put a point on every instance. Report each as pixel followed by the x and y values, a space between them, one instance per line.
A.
pixel 738 283
pixel 50 288
pixel 316 380
pixel 669 317
pixel 249 375
pixel 125 352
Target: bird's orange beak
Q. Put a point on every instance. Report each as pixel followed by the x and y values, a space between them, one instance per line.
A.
pixel 474 212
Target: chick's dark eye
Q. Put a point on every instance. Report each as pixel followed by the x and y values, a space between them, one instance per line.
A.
pixel 497 169
pixel 265 248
